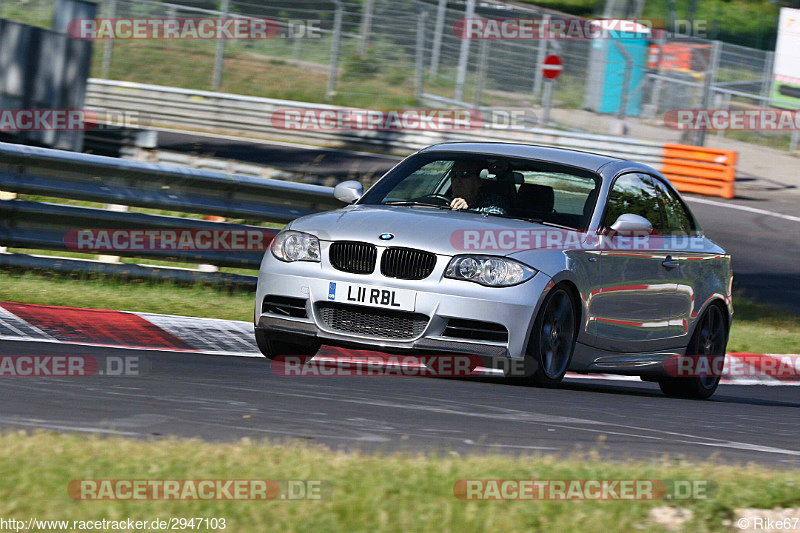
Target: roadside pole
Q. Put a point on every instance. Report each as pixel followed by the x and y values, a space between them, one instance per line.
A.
pixel 219 58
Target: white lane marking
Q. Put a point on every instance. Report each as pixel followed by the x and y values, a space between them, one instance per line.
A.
pixel 520 446
pixel 743 208
pixel 32 422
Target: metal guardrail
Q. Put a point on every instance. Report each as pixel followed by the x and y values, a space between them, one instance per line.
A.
pixel 173 107
pixel 248 115
pixel 39 225
pixel 69 175
pixel 30 170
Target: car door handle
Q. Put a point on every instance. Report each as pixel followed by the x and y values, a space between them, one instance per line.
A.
pixel 669 262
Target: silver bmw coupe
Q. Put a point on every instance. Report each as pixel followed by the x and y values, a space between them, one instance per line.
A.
pixel 536 260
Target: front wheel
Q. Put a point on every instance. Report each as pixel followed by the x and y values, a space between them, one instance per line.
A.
pixel 710 339
pixel 552 340
pixel 271 348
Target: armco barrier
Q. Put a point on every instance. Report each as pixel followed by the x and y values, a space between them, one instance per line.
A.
pixel 700 170
pixel 70 175
pixel 691 168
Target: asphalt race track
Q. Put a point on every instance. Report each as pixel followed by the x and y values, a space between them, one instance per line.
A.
pixel 226 398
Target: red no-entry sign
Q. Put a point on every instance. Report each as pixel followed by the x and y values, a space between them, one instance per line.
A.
pixel 552 67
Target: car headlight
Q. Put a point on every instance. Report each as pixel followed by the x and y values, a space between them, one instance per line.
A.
pixel 293 246
pixel 488 270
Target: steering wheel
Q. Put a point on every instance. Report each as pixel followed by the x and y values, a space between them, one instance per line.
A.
pixel 440 197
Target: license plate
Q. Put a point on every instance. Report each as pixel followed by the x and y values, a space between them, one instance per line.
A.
pixel 371 296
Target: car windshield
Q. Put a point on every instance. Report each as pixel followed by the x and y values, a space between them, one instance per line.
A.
pixel 508 187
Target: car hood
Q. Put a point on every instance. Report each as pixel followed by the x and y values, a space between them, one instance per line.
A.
pixel 440 231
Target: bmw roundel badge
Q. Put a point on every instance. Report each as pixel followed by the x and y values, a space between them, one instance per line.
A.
pixel 386 236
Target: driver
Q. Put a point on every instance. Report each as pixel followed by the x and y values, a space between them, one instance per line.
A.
pixel 471 192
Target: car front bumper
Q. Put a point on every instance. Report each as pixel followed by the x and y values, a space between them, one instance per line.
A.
pixel 438 298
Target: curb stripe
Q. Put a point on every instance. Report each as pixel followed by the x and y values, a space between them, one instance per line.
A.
pixel 123 329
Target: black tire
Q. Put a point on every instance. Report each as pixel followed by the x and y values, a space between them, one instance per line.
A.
pixel 271 348
pixel 710 338
pixel 552 340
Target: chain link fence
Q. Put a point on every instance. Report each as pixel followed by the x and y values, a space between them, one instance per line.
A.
pixel 401 53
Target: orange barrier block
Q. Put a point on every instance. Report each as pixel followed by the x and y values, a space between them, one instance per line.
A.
pixel 700 170
pixel 700 153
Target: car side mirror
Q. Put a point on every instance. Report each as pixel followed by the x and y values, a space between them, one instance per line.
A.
pixel 629 223
pixel 348 191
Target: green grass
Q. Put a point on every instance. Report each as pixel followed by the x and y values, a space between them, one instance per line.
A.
pixel 108 293
pixel 763 329
pixel 370 492
pixel 756 327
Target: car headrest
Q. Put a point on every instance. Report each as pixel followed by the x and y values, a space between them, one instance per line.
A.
pixel 588 206
pixel 512 177
pixel 536 198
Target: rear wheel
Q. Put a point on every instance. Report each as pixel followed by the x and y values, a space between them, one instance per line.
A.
pixel 710 339
pixel 272 348
pixel 552 340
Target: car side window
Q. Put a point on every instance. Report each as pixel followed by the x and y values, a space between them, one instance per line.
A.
pixel 677 217
pixel 634 193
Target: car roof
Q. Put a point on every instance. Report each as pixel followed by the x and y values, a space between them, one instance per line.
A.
pixel 563 156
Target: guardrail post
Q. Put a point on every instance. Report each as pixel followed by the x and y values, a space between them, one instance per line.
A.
pixel 337 35
pixel 219 58
pixel 438 30
pixel 463 56
pixel 420 55
pixel 112 258
pixel 366 25
pixel 5 195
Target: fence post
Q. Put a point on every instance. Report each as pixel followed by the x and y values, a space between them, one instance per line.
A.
pixel 766 82
pixel 108 45
pixel 437 36
pixel 483 59
pixel 626 81
pixel 366 25
pixel 540 55
pixel 219 59
pixel 420 55
pixel 463 56
pixel 724 103
pixel 708 87
pixel 655 95
pixel 337 35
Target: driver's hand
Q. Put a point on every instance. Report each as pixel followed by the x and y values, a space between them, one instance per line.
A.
pixel 459 203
